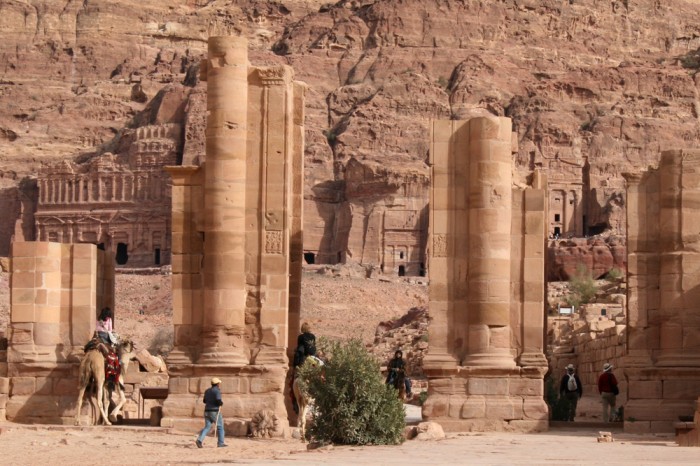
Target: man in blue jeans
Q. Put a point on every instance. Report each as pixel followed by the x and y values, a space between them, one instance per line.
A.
pixel 212 413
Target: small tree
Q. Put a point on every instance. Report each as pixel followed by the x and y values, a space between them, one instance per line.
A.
pixel 353 406
pixel 582 287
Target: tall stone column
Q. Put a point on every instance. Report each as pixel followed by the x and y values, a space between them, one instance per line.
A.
pixel 490 205
pixel 224 283
pixel 670 277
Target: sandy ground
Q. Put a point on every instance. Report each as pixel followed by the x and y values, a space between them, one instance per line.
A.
pixel 58 446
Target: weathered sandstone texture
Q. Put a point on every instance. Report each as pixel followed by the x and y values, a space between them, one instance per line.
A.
pixel 487 286
pixel 237 243
pixel 662 365
pixel 599 255
pixel 594 88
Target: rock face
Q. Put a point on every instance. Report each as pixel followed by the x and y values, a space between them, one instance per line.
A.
pixel 599 86
pixel 598 255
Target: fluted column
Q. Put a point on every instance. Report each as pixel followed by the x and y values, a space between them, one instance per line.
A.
pixel 225 196
pixel 490 205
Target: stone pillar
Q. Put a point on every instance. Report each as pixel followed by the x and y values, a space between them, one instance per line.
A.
pixel 54 293
pixel 225 196
pixel 662 365
pixel 447 251
pixel 486 252
pixel 490 198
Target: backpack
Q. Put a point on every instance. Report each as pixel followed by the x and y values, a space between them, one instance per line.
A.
pixel 571 385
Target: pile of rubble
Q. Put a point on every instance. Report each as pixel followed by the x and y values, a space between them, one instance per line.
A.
pixel 408 333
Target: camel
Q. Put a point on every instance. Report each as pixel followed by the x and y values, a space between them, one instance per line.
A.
pixel 302 399
pixel 92 368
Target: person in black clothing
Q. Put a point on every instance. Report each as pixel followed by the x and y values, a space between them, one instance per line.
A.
pixel 306 345
pixel 396 366
pixel 212 414
pixel 571 388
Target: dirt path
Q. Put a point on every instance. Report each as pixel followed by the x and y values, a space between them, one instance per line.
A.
pixel 59 446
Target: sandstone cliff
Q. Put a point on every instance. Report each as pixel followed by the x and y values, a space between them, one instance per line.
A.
pixel 610 83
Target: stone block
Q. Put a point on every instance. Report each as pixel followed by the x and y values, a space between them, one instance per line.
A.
pixel 526 387
pixel 503 408
pixel 645 389
pixel 23 249
pixel 3 400
pixel 473 407
pixel 436 406
pixel 681 389
pixel 455 407
pixel 267 383
pixel 4 385
pixel 528 425
pixel 178 386
pixel 535 409
pixel 22 386
pixel 65 386
pixel 487 386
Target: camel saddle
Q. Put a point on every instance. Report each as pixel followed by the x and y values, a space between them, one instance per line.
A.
pixel 112 365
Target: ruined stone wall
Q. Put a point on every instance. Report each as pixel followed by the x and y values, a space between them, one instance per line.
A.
pixel 56 290
pixel 588 343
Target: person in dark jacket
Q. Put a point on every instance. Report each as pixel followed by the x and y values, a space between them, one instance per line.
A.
pixel 306 345
pixel 607 387
pixel 571 388
pixel 396 366
pixel 212 414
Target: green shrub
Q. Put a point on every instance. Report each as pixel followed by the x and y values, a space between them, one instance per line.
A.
pixel 353 406
pixel 582 287
pixel 422 397
pixel 614 274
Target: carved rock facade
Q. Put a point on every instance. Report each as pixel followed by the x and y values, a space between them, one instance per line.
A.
pixel 121 201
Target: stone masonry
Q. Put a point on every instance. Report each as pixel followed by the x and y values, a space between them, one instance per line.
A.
pixel 55 291
pixel 662 366
pixel 237 243
pixel 486 360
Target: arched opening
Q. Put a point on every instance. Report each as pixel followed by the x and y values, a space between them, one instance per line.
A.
pixel 402 270
pixel 122 255
pixel 310 258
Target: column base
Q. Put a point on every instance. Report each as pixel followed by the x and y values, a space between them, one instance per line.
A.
pixel 533 360
pixel 439 364
pixel 495 359
pixel 223 356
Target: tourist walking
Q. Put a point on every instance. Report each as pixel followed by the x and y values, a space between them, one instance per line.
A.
pixel 212 414
pixel 607 387
pixel 571 388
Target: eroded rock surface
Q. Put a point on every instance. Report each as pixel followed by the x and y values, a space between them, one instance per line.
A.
pixel 607 83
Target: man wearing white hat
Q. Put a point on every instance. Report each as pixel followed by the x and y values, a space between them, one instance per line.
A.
pixel 607 387
pixel 212 414
pixel 571 388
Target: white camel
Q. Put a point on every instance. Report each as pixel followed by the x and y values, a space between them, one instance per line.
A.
pixel 92 368
pixel 303 400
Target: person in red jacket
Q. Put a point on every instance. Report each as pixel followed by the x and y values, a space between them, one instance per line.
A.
pixel 607 387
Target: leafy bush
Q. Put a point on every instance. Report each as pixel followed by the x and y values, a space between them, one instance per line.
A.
pixel 614 274
pixel 582 286
pixel 353 406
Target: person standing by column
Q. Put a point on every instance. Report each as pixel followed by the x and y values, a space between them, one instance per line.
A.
pixel 571 388
pixel 212 414
pixel 607 387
